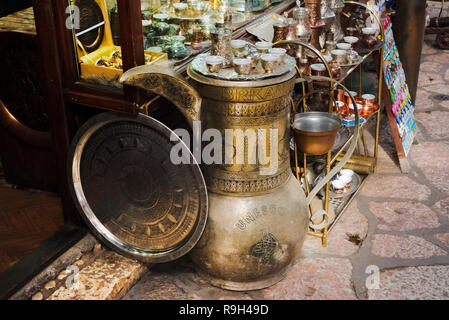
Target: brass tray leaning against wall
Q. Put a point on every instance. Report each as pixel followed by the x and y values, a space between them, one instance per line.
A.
pixel 129 191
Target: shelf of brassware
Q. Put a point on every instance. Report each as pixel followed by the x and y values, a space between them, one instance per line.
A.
pixel 359 160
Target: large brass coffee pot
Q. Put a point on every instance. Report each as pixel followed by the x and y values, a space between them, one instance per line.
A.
pixel 258 212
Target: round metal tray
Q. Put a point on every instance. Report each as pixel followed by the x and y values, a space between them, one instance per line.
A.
pixel 199 65
pixel 355 185
pixel 129 191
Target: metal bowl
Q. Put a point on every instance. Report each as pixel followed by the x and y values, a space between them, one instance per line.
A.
pixel 315 132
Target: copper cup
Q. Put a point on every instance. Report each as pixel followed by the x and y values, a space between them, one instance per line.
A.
pixel 348 98
pixel 281 52
pixel 280 32
pixel 351 108
pixel 255 57
pixel 341 108
pixel 340 56
pixel 319 69
pixel 368 104
pixel 341 95
pixel 239 48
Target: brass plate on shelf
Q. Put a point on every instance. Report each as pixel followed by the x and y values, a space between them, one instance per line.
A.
pixel 199 65
pixel 130 193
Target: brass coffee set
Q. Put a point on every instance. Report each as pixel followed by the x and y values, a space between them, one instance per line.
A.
pixel 243 224
pixel 246 58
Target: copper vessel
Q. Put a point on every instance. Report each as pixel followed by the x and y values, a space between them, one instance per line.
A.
pixel 315 13
pixel 280 32
pixel 315 132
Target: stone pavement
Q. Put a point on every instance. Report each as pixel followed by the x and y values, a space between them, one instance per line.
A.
pixel 391 243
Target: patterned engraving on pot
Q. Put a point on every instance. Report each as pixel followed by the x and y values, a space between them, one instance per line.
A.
pixel 265 248
pixel 257 213
pixel 263 109
pixel 261 94
pixel 244 186
pixel 144 209
pixel 153 81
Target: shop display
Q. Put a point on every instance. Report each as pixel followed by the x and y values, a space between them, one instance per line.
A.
pixel 402 107
pixel 293 88
pixel 248 84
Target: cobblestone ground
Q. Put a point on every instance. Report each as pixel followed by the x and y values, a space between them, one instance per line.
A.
pixel 402 219
pixel 391 243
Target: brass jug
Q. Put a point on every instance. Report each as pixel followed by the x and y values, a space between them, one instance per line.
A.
pixel 258 217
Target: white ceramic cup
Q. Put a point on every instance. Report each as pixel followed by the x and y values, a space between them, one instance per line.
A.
pixel 340 56
pixel 239 48
pixel 369 31
pixel 351 40
pixel 345 46
pixel 346 172
pixel 338 186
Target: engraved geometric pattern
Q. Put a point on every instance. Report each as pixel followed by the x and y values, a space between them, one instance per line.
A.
pixel 146 200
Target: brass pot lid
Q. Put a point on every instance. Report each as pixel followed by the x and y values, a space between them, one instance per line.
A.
pixel 129 192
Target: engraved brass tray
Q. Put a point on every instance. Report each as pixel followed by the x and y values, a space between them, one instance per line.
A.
pixel 199 65
pixel 129 191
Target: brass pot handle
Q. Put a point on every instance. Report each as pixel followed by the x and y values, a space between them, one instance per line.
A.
pixel 351 148
pixel 40 139
pixel 165 82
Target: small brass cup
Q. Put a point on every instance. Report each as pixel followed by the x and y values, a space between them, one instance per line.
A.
pixel 242 66
pixel 214 63
pixel 269 62
pixel 281 52
pixel 263 46
pixel 239 48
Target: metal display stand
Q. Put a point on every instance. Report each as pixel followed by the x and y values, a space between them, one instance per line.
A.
pixel 361 162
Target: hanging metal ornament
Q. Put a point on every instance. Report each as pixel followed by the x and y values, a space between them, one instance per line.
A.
pixel 335 26
pixel 328 16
